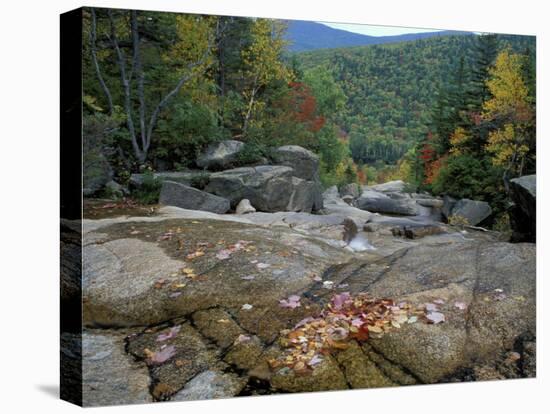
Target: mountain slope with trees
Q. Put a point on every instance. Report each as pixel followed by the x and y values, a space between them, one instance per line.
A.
pixel 305 36
pixel 393 91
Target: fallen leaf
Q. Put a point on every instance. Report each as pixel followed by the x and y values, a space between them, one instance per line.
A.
pixel 263 265
pixel 223 254
pixel 163 355
pixel 435 317
pixel 242 338
pixel 412 319
pixel 166 236
pixel 246 306
pixel 174 295
pixel 460 305
pixel 375 329
pixel 292 302
pixel 303 322
pixel 439 301
pixel 316 359
pixel 170 334
pixel 159 283
pixel 513 356
pixel 194 255
pixel 339 300
pixel 402 318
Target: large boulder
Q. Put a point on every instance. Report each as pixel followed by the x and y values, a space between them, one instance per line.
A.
pixel 304 162
pixel 268 187
pixel 471 211
pixel 523 216
pixel 180 195
pixel 192 178
pixel 393 203
pixel 220 155
pixel 396 186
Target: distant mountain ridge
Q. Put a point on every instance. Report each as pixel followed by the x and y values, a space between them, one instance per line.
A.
pixel 305 36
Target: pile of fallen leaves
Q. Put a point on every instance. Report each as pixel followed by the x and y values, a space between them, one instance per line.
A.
pixel 344 319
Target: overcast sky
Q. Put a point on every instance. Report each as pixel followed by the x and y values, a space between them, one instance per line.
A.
pixel 376 30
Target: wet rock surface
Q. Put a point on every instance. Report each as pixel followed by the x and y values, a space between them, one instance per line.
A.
pixel 187 304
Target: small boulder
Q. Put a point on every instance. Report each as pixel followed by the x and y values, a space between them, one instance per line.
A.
pixel 523 216
pixel 183 196
pixel 304 162
pixel 378 202
pixel 397 186
pixel 220 155
pixel 244 207
pixel 473 211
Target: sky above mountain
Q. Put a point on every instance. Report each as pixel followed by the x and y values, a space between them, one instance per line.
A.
pixel 374 30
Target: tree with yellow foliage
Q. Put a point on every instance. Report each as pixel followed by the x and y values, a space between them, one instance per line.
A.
pixel 458 140
pixel 262 65
pixel 510 110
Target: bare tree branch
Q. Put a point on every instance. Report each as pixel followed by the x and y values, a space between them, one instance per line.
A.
pixel 93 37
pixel 137 67
pixel 179 85
pixel 126 87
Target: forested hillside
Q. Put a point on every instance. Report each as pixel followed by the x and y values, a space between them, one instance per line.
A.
pixel 391 89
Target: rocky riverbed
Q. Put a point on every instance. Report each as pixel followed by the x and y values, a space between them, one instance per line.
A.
pixel 185 304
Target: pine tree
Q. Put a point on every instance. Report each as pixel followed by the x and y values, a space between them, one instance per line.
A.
pixel 485 52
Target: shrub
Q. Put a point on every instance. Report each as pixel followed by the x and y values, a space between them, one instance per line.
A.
pixel 200 181
pixel 149 190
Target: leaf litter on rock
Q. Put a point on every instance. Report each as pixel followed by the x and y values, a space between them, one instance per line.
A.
pixel 345 318
pixel 226 253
